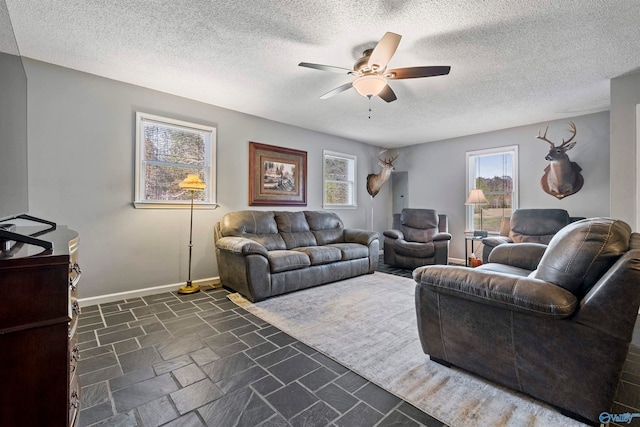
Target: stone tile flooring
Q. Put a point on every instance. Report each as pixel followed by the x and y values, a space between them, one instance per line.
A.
pixel 199 360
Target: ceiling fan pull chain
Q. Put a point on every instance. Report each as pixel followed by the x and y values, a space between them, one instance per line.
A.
pixel 369 106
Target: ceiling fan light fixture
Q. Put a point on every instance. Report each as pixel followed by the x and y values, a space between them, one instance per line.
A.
pixel 370 85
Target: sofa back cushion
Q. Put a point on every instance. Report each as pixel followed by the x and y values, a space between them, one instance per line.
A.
pixel 327 227
pixel 580 253
pixel 294 229
pixel 419 225
pixel 260 226
pixel 537 225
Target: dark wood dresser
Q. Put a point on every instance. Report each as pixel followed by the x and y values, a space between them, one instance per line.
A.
pixel 38 332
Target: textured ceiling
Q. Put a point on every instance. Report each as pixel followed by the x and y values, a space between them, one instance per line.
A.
pixel 513 62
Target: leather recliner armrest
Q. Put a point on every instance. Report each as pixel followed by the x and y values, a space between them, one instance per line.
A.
pixel 494 241
pixel 611 306
pixel 241 245
pixel 364 237
pixel 441 236
pixel 393 234
pixel 522 255
pixel 509 292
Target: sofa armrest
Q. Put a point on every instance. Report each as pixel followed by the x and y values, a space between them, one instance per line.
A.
pixel 506 291
pixel 241 245
pixel 522 255
pixel 611 306
pixel 393 234
pixel 364 237
pixel 441 236
pixel 494 241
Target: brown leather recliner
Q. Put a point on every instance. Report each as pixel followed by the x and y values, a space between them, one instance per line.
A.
pixel 558 329
pixel 419 237
pixel 530 226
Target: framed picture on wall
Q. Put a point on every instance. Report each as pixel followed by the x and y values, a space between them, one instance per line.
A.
pixel 277 176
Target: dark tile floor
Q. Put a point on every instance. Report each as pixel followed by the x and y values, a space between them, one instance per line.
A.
pixel 199 360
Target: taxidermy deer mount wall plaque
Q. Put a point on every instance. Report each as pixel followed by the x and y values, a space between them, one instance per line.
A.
pixel 561 177
pixel 375 181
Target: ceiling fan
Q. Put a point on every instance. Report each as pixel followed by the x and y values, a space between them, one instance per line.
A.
pixel 371 71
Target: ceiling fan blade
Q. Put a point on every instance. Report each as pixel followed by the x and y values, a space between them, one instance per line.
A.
pixel 384 50
pixel 337 90
pixel 328 68
pixel 388 94
pixel 416 72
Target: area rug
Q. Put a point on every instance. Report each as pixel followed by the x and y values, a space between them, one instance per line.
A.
pixel 368 324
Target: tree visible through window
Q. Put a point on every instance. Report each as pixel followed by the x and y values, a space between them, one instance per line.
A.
pixel 339 175
pixel 168 150
pixel 494 171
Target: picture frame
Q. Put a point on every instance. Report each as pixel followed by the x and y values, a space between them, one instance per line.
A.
pixel 277 176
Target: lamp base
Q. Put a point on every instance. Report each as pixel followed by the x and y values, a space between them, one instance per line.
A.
pixel 189 288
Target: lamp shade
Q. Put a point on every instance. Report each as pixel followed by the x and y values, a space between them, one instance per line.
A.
pixel 476 197
pixel 192 182
pixel 370 85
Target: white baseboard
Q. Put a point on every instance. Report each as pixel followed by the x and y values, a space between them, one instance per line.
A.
pixel 102 299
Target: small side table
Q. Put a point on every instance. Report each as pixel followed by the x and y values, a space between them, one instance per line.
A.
pixel 472 239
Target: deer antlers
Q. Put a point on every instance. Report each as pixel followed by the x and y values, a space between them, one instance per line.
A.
pixel 387 162
pixel 564 143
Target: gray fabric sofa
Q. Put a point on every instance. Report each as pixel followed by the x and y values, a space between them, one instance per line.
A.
pixel 266 253
pixel 554 322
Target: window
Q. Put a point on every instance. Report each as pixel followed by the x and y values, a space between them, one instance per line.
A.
pixel 338 180
pixel 166 151
pixel 495 172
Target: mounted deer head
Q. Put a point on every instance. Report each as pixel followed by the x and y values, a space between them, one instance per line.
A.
pixel 561 177
pixel 375 181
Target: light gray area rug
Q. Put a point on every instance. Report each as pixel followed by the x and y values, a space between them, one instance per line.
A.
pixel 369 324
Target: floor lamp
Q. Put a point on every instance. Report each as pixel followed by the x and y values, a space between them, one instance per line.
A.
pixel 476 197
pixel 192 183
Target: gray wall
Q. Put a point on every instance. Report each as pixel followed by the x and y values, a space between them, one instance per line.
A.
pixel 14 194
pixel 625 96
pixel 437 170
pixel 81 172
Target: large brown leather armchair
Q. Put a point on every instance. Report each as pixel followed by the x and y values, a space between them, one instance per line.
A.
pixel 418 237
pixel 528 226
pixel 558 329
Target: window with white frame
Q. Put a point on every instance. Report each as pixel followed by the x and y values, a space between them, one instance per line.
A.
pixel 495 172
pixel 338 180
pixel 167 150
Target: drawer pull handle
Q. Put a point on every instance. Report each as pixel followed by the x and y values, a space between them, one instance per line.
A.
pixel 73 282
pixel 75 267
pixel 75 353
pixel 74 401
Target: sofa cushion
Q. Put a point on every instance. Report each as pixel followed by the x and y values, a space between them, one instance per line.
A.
pixel 537 225
pixel 294 229
pixel 259 226
pixel 351 250
pixel 327 227
pixel 319 255
pixel 414 249
pixel 580 253
pixel 284 260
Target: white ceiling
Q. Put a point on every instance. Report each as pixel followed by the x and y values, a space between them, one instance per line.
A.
pixel 514 62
